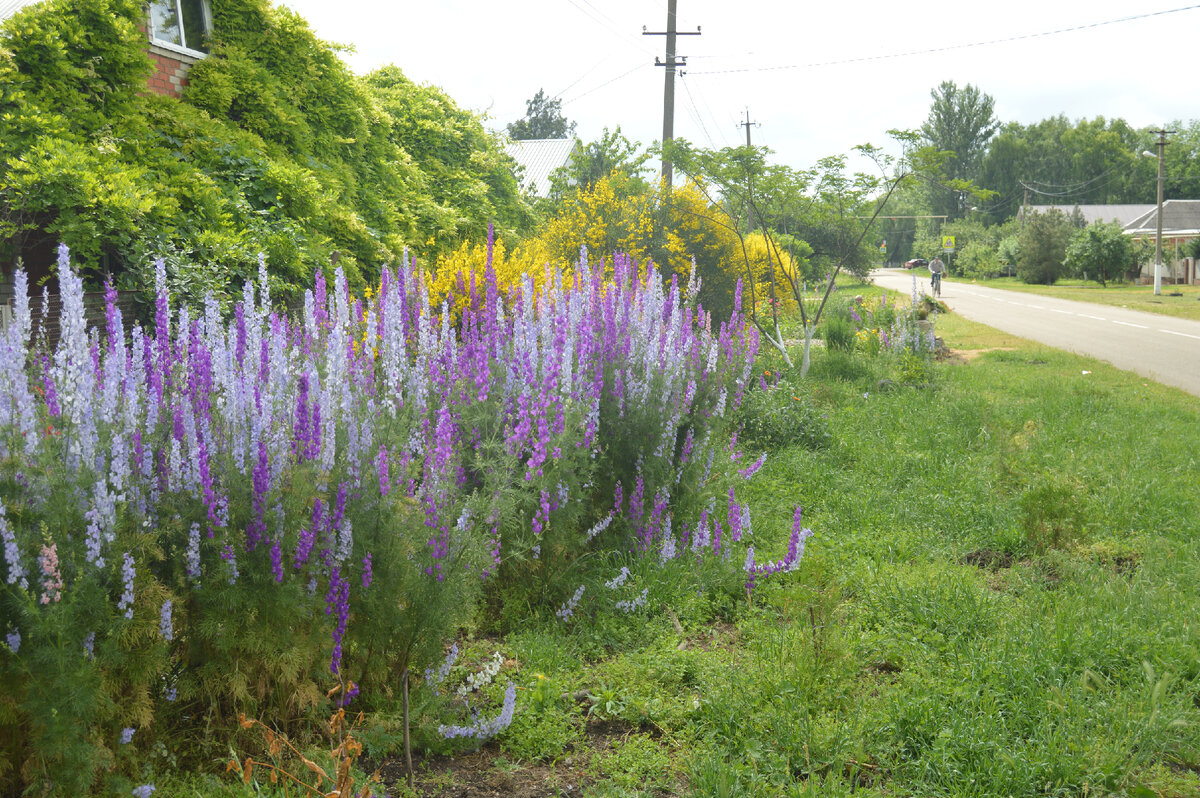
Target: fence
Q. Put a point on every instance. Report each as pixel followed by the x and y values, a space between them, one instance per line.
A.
pixel 47 317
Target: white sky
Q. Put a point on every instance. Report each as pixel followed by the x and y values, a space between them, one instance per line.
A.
pixel 491 57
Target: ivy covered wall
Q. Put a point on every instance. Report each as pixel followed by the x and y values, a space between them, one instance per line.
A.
pixel 275 146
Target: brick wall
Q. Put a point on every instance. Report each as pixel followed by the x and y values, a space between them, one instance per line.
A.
pixel 170 71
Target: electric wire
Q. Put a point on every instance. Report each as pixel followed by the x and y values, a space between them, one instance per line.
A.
pixel 713 117
pixel 696 112
pixel 950 47
pixel 640 64
pixel 608 25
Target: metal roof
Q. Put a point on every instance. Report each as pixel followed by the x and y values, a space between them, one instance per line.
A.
pixel 1121 214
pixel 1180 217
pixel 539 158
pixel 10 7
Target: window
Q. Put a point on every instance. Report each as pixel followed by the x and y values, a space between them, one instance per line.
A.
pixel 180 24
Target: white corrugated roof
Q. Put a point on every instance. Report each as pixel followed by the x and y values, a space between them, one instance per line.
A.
pixel 10 7
pixel 1121 214
pixel 539 157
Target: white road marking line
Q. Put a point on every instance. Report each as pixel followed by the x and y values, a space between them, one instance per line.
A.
pixel 1064 312
pixel 1097 318
pixel 1185 335
pixel 1037 307
pixel 1131 324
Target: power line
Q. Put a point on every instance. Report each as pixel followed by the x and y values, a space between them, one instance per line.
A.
pixel 640 64
pixel 696 111
pixel 602 20
pixel 949 47
pixel 713 117
pixel 579 79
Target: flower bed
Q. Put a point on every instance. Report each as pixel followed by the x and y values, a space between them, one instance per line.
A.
pixel 224 515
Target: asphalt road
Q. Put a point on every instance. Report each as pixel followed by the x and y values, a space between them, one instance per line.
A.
pixel 1163 348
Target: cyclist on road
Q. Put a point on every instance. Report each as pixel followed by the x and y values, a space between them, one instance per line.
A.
pixel 936 270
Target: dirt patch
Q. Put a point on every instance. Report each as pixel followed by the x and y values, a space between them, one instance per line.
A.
pixel 988 558
pixel 486 773
pixel 955 356
pixel 483 774
pixel 719 635
pixel 1125 564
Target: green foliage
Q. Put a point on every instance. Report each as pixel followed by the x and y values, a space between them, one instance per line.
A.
pixel 638 763
pixel 276 148
pixel 838 331
pixel 591 162
pixel 543 120
pixel 961 121
pixel 460 166
pixel 1052 512
pixel 782 415
pixel 841 365
pixel 1043 247
pixel 1008 252
pixel 1101 250
pixel 1089 161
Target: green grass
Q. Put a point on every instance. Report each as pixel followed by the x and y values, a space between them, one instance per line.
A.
pixel 1134 297
pixel 1000 600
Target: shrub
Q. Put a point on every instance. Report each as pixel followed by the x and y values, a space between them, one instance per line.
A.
pixel 213 517
pixel 1043 247
pixel 781 415
pixel 841 366
pixel 838 332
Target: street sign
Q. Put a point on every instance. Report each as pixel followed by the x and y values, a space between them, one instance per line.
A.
pixel 883 248
pixel 948 243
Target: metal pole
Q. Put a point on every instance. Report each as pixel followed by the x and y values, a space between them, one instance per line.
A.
pixel 1158 224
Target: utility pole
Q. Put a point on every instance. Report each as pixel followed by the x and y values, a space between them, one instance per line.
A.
pixel 747 125
pixel 669 83
pixel 1162 145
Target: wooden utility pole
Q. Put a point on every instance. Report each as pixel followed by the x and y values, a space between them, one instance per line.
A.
pixel 669 83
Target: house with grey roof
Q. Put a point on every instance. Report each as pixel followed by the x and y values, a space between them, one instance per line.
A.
pixel 537 159
pixel 1180 224
pixel 1121 214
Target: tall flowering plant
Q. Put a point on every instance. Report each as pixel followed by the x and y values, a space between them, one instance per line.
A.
pixel 220 514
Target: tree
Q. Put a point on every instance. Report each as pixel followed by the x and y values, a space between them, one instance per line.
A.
pixel 961 121
pixel 1043 247
pixel 1100 249
pixel 543 120
pixel 767 195
pixel 592 162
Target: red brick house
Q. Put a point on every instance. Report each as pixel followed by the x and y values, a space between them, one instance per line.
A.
pixel 176 37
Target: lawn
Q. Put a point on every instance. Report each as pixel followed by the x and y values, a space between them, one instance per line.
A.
pixel 1000 599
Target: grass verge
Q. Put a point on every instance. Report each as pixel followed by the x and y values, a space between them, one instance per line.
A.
pixel 1134 297
pixel 1000 600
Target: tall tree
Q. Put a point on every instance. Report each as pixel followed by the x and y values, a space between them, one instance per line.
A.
pixel 961 121
pixel 543 120
pixel 1042 247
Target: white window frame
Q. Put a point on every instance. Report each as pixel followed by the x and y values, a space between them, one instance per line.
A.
pixel 205 10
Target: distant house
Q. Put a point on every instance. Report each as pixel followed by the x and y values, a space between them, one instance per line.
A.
pixel 1121 214
pixel 1180 224
pixel 537 159
pixel 176 37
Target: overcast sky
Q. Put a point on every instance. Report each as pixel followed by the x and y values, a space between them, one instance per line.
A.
pixel 818 78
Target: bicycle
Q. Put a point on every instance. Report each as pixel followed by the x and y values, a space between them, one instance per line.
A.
pixel 936 280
